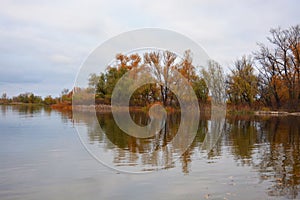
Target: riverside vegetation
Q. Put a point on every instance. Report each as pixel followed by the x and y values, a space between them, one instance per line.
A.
pixel 269 79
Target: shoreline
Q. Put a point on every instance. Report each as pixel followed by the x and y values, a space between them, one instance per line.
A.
pixel 104 108
pixel 276 113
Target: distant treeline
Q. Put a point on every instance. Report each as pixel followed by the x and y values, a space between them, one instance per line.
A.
pixel 30 98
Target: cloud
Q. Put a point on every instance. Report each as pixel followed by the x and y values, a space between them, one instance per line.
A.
pixel 227 29
pixel 45 42
pixel 61 59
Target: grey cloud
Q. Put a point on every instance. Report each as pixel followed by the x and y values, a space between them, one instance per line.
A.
pixel 43 43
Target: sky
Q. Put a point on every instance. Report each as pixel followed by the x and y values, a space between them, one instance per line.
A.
pixel 43 43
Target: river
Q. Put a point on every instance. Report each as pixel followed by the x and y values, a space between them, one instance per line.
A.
pixel 42 156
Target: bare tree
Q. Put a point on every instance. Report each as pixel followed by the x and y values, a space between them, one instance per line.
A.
pixel 4 96
pixel 215 80
pixel 281 62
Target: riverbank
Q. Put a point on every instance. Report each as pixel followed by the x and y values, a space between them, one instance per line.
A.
pixel 20 104
pixel 276 113
pixel 102 108
pixel 204 109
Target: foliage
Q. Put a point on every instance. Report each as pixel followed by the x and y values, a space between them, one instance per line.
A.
pixel 279 67
pixel 28 98
pixel 270 78
pixel 48 100
pixel 201 89
pixel 4 99
pixel 162 65
pixel 242 82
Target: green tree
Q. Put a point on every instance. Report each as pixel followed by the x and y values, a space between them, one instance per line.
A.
pixel 201 89
pixel 48 100
pixel 242 82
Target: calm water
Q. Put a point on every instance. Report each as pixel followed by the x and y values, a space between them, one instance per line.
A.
pixel 41 157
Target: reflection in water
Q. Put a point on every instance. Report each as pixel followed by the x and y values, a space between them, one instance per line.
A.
pixel 269 145
pixel 130 151
pixel 27 110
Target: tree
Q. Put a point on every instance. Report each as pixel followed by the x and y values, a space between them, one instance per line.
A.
pixel 65 96
pixel 65 91
pixel 279 65
pixel 161 65
pixel 93 81
pixel 4 96
pixel 268 77
pixel 200 89
pixel 188 70
pixel 48 100
pixel 186 67
pixel 242 82
pixel 215 80
pixel 104 84
pixel 28 97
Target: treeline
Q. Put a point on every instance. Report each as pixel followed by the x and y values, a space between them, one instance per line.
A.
pixel 269 77
pixel 161 65
pixel 30 98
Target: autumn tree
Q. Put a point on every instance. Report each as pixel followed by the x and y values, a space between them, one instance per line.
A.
pixel 188 70
pixel 186 67
pixel 242 82
pixel 201 90
pixel 161 65
pixel 280 67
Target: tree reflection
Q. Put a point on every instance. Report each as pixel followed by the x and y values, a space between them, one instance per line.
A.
pixel 280 160
pixel 130 148
pixel 27 110
pixel 242 137
pixel 270 145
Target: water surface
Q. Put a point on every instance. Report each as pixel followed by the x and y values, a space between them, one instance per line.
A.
pixel 41 157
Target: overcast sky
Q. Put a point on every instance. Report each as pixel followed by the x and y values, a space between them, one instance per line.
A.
pixel 43 43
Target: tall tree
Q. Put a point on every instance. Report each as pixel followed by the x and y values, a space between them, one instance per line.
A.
pixel 215 79
pixel 279 65
pixel 242 82
pixel 161 65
